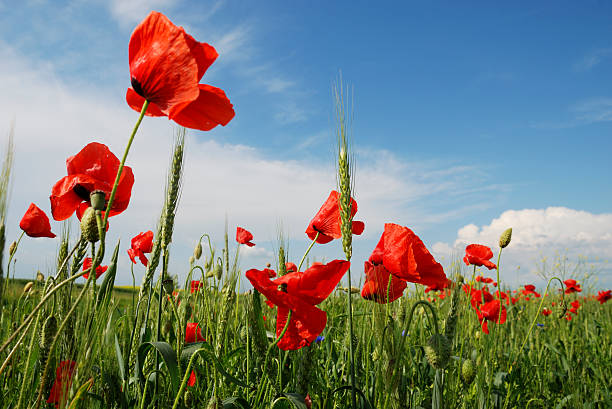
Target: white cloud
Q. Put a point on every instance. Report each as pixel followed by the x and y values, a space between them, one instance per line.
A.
pixel 544 234
pixel 255 190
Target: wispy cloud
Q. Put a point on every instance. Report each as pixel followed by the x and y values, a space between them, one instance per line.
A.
pixel 585 112
pixel 592 59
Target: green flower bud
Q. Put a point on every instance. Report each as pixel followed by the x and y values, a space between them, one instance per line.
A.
pixel 12 248
pixel 468 371
pixel 89 226
pixel 505 238
pixel 438 351
pixel 197 251
pixel 97 199
pixel 218 271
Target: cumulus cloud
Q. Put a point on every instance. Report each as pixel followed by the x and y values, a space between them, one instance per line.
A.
pixel 539 237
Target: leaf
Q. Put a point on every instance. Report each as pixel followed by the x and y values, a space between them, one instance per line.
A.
pixel 563 401
pixel 235 402
pixel 364 402
pixel 81 392
pixel 206 349
pixel 106 288
pixel 119 356
pixel 169 357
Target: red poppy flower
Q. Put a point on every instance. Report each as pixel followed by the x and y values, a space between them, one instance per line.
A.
pixel 377 285
pixel 87 262
pixel 530 289
pixel 193 333
pixel 484 280
pixel 575 305
pixel 35 223
pixel 141 244
pixel 93 168
pixel 291 267
pixel 479 255
pixel 503 296
pixel 568 316
pixel 603 296
pixel 327 220
pixel 63 379
pixel 572 287
pixel 405 256
pixel 490 312
pixel 300 292
pixel 244 237
pixel 166 65
pixel 308 401
pixel 196 286
pixel 546 312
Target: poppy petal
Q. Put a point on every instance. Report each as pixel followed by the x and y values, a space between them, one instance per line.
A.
pixel 136 102
pixel 35 223
pixel 210 109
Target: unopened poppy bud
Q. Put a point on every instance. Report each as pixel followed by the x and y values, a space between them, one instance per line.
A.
pixel 477 334
pixel 188 399
pixel 218 271
pixel 27 287
pixel 460 279
pixel 12 248
pixel 97 199
pixel 268 265
pixel 191 260
pixel 210 274
pixel 48 332
pixel 468 371
pixel 355 290
pixel 197 251
pixel 438 351
pixel 89 226
pixel 505 238
pixel 40 276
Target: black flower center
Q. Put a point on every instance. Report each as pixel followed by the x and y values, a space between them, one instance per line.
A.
pixel 137 87
pixel 81 192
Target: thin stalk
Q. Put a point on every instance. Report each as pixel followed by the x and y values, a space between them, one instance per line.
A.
pixel 308 251
pixel 111 198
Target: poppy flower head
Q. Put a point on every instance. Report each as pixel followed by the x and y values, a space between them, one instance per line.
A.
pixel 196 286
pixel 35 223
pixel 490 312
pixel 193 333
pixel 63 379
pixel 571 286
pixel 166 66
pixel 290 267
pixel 405 256
pixel 141 244
pixel 530 289
pixel 327 220
pixel 299 292
pixel 479 255
pixel 546 312
pixel 603 296
pixel 93 168
pixel 87 262
pixel 377 287
pixel 244 237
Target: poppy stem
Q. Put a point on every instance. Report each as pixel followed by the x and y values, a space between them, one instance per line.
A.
pixel 307 251
pixel 276 341
pixel 111 199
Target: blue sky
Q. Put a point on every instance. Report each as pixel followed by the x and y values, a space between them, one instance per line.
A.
pixel 472 115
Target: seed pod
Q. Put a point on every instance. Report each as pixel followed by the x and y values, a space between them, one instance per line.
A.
pixel 438 351
pixel 505 238
pixel 97 200
pixel 468 371
pixel 197 251
pixel 89 226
